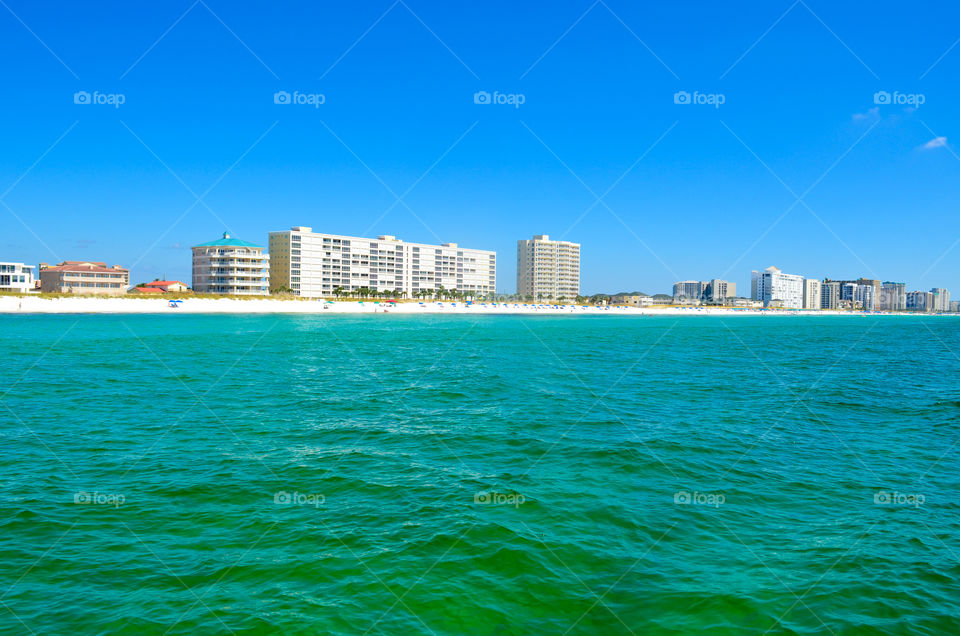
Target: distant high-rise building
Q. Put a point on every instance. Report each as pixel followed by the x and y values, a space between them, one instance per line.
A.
pixel 771 286
pixel 955 306
pixel 718 290
pixel 689 290
pixel 857 296
pixel 547 269
pixel 811 293
pixel 941 299
pixel 920 301
pixel 830 294
pixel 230 266
pixel 893 296
pixel 863 297
pixel 877 287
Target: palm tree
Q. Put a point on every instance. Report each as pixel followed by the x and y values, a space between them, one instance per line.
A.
pixel 337 291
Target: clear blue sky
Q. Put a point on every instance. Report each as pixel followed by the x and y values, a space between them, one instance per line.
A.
pixel 598 82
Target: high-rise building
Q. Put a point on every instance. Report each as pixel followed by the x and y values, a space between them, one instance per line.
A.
pixel 230 266
pixel 856 296
pixel 955 306
pixel 16 277
pixel 689 290
pixel 863 297
pixel 548 269
pixel 811 293
pixel 830 294
pixel 317 265
pixel 893 296
pixel 877 287
pixel 84 277
pixel 771 286
pixel 717 290
pixel 920 301
pixel 941 299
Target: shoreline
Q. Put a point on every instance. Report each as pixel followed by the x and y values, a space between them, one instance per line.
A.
pixel 124 305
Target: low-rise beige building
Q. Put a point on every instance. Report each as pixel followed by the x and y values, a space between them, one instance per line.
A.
pixel 631 300
pixel 84 277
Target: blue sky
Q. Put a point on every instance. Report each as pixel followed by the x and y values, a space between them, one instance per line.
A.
pixel 798 167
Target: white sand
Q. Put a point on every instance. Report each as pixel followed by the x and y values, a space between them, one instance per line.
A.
pixel 126 305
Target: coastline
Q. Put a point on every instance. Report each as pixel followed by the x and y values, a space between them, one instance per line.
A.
pixel 125 305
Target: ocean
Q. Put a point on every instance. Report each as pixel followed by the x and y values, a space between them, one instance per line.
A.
pixel 479 474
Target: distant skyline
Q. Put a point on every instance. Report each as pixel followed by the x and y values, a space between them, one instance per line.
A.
pixel 673 141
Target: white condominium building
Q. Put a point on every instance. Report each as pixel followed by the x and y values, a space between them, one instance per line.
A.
pixel 771 286
pixel 548 269
pixel 811 293
pixel 317 265
pixel 16 277
pixel 941 299
pixel 230 266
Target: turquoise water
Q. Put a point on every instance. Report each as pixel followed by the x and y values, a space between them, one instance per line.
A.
pixel 479 475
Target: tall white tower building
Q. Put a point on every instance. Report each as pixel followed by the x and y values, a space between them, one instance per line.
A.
pixel 548 270
pixel 771 286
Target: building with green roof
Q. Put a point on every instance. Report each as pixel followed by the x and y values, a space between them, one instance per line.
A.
pixel 230 266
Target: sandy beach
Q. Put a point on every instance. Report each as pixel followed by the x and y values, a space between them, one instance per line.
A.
pixel 188 305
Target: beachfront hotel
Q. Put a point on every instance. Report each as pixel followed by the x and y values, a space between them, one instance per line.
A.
pixel 230 266
pixel 317 265
pixel 84 277
pixel 774 288
pixel 16 277
pixel 548 269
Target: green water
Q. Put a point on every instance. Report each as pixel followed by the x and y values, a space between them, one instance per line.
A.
pixel 479 475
